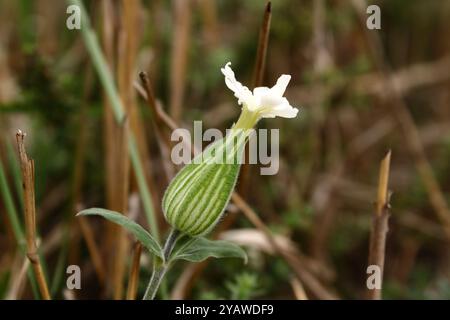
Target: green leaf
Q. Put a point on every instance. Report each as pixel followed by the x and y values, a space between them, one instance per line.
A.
pixel 139 232
pixel 199 249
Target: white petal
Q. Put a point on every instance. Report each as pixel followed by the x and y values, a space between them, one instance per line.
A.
pixel 265 102
pixel 280 87
pixel 259 93
pixel 241 92
pixel 284 110
pixel 265 98
pixel 287 112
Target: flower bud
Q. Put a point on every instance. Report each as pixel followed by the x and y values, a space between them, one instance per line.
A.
pixel 196 198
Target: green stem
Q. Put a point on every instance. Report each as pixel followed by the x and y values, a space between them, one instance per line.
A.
pixel 160 266
pixel 159 270
pixel 170 243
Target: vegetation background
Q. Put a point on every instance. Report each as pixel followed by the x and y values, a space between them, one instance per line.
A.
pixel 361 93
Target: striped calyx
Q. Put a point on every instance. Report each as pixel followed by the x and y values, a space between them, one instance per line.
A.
pixel 196 198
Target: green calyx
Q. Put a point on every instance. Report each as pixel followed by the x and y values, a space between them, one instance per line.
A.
pixel 247 120
pixel 197 197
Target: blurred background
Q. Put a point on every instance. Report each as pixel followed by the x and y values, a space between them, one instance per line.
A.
pixel 361 93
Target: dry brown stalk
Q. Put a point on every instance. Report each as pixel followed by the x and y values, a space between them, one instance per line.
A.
pixel 258 74
pixel 179 55
pixel 121 205
pixel 380 224
pixel 118 172
pixel 27 168
pixel 109 123
pixel 166 120
pixel 158 127
pixel 263 43
pixel 126 55
pixel 211 28
pixel 134 272
pixel 154 107
pixel 128 41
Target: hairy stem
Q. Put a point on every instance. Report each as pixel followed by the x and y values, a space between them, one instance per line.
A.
pixel 159 270
pixel 160 266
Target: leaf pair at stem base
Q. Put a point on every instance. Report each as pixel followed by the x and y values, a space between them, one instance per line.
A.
pixel 185 247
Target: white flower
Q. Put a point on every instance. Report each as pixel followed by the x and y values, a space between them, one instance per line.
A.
pixel 265 102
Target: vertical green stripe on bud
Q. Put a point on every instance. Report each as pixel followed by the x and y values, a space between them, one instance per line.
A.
pixel 196 198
